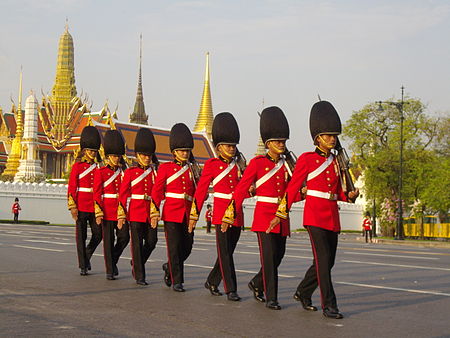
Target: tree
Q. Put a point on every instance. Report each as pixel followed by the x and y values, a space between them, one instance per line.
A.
pixel 374 134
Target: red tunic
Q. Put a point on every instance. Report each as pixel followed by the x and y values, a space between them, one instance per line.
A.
pixel 176 209
pixel 16 207
pixel 319 212
pixel 367 224
pixel 81 186
pixel 213 167
pixel 272 188
pixel 208 216
pixel 107 197
pixel 138 192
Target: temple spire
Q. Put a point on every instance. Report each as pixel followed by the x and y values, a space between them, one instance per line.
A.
pixel 260 148
pixel 138 115
pixel 205 116
pixel 14 155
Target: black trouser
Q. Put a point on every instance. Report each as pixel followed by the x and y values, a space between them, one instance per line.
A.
pixel 271 251
pixel 112 252
pixel 368 233
pixel 179 246
pixel 16 217
pixel 143 242
pixel 85 252
pixel 323 244
pixel 224 268
pixel 208 226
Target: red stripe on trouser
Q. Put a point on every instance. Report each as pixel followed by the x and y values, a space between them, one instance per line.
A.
pixel 132 255
pixel 104 249
pixel 317 266
pixel 218 228
pixel 261 258
pixel 168 253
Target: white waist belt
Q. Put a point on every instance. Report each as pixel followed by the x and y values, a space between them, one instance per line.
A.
pixel 321 194
pixel 267 199
pixel 179 196
pixel 222 195
pixel 85 189
pixel 140 197
pixel 110 195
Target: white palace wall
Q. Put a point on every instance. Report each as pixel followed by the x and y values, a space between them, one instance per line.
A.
pixel 48 202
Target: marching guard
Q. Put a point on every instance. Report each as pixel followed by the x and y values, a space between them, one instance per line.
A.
pixel 107 181
pixel 81 197
pixel 224 174
pixel 324 184
pixel 175 182
pixel 136 187
pixel 270 175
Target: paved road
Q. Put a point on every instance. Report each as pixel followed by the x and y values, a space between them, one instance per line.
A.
pixel 383 290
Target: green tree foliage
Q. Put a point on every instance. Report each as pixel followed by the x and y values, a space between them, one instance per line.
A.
pixel 374 134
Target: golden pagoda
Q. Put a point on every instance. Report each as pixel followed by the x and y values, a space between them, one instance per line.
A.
pixel 205 116
pixel 138 115
pixel 14 156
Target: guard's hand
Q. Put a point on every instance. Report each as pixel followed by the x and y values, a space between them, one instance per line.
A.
pixel 224 227
pixel 154 222
pixel 252 190
pixel 273 223
pixel 304 190
pixel 98 220
pixel 120 223
pixel 74 212
pixel 192 224
pixel 353 194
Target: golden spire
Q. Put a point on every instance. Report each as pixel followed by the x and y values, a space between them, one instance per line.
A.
pixel 64 89
pixel 138 115
pixel 16 149
pixel 205 116
pixel 261 148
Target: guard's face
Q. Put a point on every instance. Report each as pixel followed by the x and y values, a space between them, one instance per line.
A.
pixel 227 151
pixel 326 141
pixel 182 155
pixel 277 146
pixel 143 159
pixel 114 160
pixel 90 153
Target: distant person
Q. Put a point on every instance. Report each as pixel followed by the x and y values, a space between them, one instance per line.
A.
pixel 208 218
pixel 15 210
pixel 367 227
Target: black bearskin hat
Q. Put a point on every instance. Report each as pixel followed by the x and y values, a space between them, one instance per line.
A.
pixel 145 142
pixel 113 143
pixel 225 129
pixel 180 137
pixel 324 119
pixel 90 138
pixel 273 125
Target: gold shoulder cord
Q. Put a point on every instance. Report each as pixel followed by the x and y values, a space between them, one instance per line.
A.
pixel 282 211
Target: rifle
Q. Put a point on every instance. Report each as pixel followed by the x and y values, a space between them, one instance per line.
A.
pixel 195 168
pixel 344 165
pixel 291 160
pixel 241 161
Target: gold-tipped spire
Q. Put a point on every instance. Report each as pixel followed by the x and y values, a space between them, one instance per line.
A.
pixel 260 148
pixel 205 116
pixel 16 148
pixel 138 115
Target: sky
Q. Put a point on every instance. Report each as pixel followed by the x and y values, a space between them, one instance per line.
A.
pixel 262 53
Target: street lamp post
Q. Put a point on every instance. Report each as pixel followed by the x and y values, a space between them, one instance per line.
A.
pixel 399 105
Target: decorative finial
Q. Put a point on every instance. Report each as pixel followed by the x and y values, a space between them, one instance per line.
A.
pixel 67 24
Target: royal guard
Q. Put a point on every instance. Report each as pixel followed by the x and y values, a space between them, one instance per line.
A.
pixel 270 175
pixel 107 181
pixel 81 197
pixel 223 173
pixel 16 209
pixel 136 187
pixel 320 170
pixel 175 183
